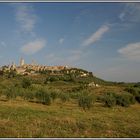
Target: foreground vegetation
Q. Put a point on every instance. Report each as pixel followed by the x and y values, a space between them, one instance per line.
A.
pixel 44 106
pixel 25 119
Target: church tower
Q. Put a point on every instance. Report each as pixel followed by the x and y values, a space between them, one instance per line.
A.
pixel 21 62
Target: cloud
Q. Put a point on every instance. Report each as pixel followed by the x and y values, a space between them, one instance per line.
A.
pixel 96 36
pixel 25 17
pixel 131 51
pixel 33 47
pixel 130 12
pixel 61 40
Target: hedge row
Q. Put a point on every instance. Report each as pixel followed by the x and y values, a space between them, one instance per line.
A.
pixel 124 99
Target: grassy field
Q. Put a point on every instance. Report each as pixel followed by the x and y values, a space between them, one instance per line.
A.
pixel 32 112
pixel 19 118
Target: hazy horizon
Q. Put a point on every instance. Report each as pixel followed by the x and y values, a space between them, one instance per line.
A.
pixel 100 37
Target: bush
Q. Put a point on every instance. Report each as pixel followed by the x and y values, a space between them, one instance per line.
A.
pixel 43 97
pixel 39 95
pixel 137 84
pixel 74 95
pixel 110 99
pixel 1 72
pixel 11 74
pixel 53 95
pixel 26 83
pixel 86 101
pixel 52 79
pixel 64 97
pixel 28 95
pixel 132 99
pixel 11 93
pixel 47 99
pixel 125 99
pixel 135 92
pixel 138 98
pixel 131 90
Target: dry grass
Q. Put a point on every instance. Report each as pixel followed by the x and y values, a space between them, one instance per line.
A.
pixel 26 119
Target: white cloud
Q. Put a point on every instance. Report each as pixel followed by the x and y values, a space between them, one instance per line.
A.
pixel 96 36
pixel 130 12
pixel 131 51
pixel 61 40
pixel 33 47
pixel 26 17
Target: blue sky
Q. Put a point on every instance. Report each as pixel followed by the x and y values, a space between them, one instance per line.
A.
pixel 100 37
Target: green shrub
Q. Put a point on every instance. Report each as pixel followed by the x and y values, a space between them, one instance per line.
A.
pixel 110 99
pixel 137 85
pixel 52 79
pixel 125 99
pixel 47 99
pixel 28 95
pixel 53 95
pixel 39 95
pixel 132 99
pixel 43 97
pixel 1 72
pixel 74 95
pixel 133 91
pixel 26 83
pixel 21 92
pixel 138 98
pixel 11 93
pixel 86 101
pixel 64 97
pixel 12 74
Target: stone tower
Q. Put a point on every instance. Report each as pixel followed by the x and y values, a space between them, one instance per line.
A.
pixel 21 62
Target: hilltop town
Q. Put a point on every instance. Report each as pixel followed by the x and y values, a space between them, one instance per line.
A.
pixel 33 69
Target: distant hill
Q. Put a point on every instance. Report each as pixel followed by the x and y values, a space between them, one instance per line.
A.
pixel 53 73
pixel 74 74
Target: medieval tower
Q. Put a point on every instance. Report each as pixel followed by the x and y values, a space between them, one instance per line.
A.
pixel 21 62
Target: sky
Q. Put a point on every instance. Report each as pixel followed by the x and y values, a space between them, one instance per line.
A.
pixel 103 38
